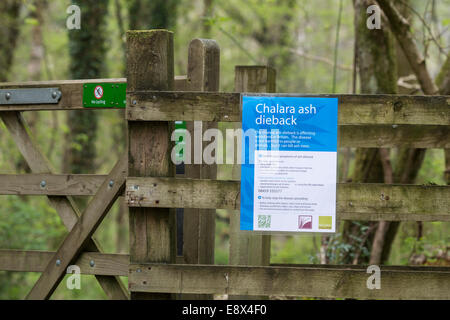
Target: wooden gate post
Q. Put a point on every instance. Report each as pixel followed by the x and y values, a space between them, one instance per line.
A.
pixel 150 66
pixel 198 228
pixel 248 249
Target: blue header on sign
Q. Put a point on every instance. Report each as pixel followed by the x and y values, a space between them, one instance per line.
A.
pixel 303 124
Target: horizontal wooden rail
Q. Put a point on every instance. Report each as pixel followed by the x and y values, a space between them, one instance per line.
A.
pixel 71 90
pixel 353 109
pixel 354 201
pixel 72 93
pixel 94 263
pixel 322 282
pixel 383 136
pixel 50 184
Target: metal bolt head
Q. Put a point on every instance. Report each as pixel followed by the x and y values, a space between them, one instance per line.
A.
pixel 8 95
pixel 43 183
pixel 58 262
pixel 54 94
pixel 92 263
pixel 111 183
pixel 134 102
pixel 138 270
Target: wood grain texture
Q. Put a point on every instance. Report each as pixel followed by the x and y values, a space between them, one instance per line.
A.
pixel 353 109
pixel 64 205
pixel 150 67
pixel 198 225
pixel 35 261
pixel 81 232
pixel 322 282
pixel 354 201
pixel 71 98
pixel 246 248
pixel 55 184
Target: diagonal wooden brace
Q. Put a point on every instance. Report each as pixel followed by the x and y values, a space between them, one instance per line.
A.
pixel 80 234
pixel 64 205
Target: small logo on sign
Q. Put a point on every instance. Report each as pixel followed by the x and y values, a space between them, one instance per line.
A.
pixel 305 222
pixel 98 92
pixel 325 222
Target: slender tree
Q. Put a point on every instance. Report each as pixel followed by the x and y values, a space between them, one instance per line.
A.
pixel 87 47
pixel 152 14
pixel 9 31
pixel 376 60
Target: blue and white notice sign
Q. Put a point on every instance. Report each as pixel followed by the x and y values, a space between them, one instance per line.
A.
pixel 289 160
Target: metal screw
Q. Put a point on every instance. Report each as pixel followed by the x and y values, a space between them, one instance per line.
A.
pixel 111 183
pixel 54 94
pixel 350 204
pixel 92 263
pixel 8 96
pixel 138 270
pixel 43 184
pixel 134 102
pixel 58 262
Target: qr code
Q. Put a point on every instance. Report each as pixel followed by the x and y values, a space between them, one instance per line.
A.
pixel 264 221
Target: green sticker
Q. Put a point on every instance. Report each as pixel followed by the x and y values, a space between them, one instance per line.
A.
pixel 104 95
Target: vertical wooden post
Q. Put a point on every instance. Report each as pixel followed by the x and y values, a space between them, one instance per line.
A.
pixel 150 66
pixel 199 224
pixel 248 249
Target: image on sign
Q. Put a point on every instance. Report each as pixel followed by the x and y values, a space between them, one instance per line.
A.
pixel 305 222
pixel 98 92
pixel 263 221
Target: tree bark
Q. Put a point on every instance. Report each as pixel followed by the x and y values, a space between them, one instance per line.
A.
pixel 152 14
pixel 9 17
pixel 410 160
pixel 376 60
pixel 402 31
pixel 87 49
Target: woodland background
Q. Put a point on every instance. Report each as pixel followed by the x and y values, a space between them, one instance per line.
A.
pixel 316 46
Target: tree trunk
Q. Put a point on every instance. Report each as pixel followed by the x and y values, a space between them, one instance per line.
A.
pixel 152 14
pixel 410 160
pixel 9 17
pixel 87 50
pixel 378 74
pixel 443 81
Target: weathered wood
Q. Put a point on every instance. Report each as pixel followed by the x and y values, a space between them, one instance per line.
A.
pixel 247 248
pixel 354 201
pixel 65 206
pixel 199 224
pixel 92 263
pixel 322 282
pixel 150 67
pixel 51 184
pixel 80 234
pixel 353 109
pixel 72 93
pixel 71 98
pixel 382 136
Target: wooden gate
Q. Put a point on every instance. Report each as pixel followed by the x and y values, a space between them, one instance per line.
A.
pixel 156 193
